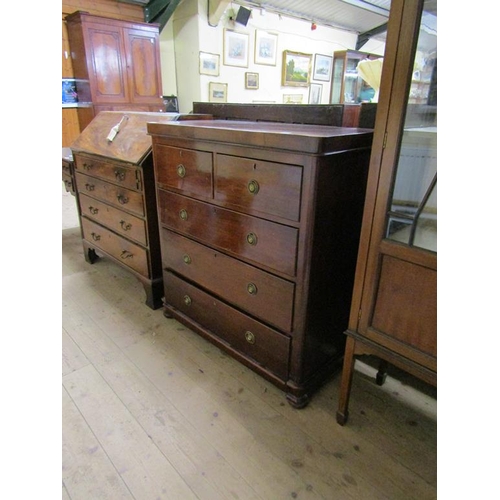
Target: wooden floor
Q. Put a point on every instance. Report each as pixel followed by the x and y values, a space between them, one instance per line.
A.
pixel 153 411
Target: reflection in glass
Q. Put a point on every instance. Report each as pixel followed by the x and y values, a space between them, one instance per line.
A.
pixel 412 217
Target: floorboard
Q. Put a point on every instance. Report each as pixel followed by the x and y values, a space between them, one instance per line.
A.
pixel 153 411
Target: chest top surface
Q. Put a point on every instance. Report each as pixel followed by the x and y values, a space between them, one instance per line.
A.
pixel 311 139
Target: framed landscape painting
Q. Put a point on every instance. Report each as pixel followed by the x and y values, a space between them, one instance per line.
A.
pixel 296 69
pixel 209 64
pixel 322 67
pixel 235 48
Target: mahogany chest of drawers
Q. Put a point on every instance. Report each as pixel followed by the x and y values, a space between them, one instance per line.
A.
pixel 116 195
pixel 259 231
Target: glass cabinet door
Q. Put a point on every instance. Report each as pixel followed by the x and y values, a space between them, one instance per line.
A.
pixel 412 217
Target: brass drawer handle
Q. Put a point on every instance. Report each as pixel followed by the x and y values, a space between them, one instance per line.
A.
pixel 126 226
pixel 93 210
pixel 122 199
pixel 95 236
pixel 252 289
pixel 183 214
pixel 89 187
pixel 66 169
pixel 186 259
pixel 250 337
pixel 120 175
pixel 252 239
pixel 181 170
pixel 68 185
pixel 187 300
pixel 126 254
pixel 253 187
pixel 87 166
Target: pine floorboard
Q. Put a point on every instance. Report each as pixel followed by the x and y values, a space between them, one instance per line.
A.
pixel 153 411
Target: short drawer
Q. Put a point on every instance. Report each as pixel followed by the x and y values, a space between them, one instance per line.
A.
pixel 121 222
pixel 68 182
pixel 126 252
pixel 257 240
pixel 187 170
pixel 258 186
pixel 267 347
pixel 118 196
pixel 259 293
pixel 127 177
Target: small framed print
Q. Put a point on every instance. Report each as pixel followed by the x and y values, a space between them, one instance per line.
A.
pixel 252 81
pixel 235 48
pixel 322 67
pixel 293 98
pixel 217 92
pixel 296 69
pixel 266 45
pixel 315 90
pixel 209 64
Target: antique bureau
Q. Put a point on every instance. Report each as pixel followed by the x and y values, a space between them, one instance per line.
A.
pixel 259 230
pixel 116 195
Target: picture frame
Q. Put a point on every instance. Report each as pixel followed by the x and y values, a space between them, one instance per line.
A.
pixel 171 103
pixel 217 92
pixel 322 68
pixel 251 81
pixel 235 48
pixel 315 91
pixel 209 64
pixel 296 69
pixel 293 98
pixel 266 48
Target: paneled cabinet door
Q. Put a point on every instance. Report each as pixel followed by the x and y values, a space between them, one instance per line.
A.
pixel 143 64
pixel 107 64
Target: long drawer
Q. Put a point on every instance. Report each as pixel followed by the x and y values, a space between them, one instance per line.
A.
pixel 261 294
pixel 124 176
pixel 120 197
pixel 124 251
pixel 257 240
pixel 267 347
pixel 258 186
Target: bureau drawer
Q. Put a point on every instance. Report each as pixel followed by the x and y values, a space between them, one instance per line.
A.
pixel 124 251
pixel 118 196
pixel 260 241
pixel 68 182
pixel 259 293
pixel 121 222
pixel 124 176
pixel 184 169
pixel 250 337
pixel 259 186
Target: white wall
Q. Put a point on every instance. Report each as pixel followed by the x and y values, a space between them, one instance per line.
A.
pixel 188 32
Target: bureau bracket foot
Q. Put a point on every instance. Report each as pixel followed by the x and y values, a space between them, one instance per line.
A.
pixel 90 254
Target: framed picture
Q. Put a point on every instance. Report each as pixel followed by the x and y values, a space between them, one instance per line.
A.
pixel 217 92
pixel 209 64
pixel 322 67
pixel 296 69
pixel 252 80
pixel 315 90
pixel 171 103
pixel 235 48
pixel 265 48
pixel 293 98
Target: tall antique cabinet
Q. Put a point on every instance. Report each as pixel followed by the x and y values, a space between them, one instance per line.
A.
pixel 259 230
pixel 394 310
pixel 117 63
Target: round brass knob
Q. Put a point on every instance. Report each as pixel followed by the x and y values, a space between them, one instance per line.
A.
pixel 186 259
pixel 252 289
pixel 181 170
pixel 183 214
pixel 250 337
pixel 187 300
pixel 252 239
pixel 253 187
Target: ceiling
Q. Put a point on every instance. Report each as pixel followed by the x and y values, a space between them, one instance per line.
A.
pixel 367 18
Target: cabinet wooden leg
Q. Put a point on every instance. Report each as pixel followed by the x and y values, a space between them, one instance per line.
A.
pixel 382 372
pixel 346 382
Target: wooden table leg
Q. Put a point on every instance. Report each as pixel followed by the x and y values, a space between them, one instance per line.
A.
pixel 346 382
